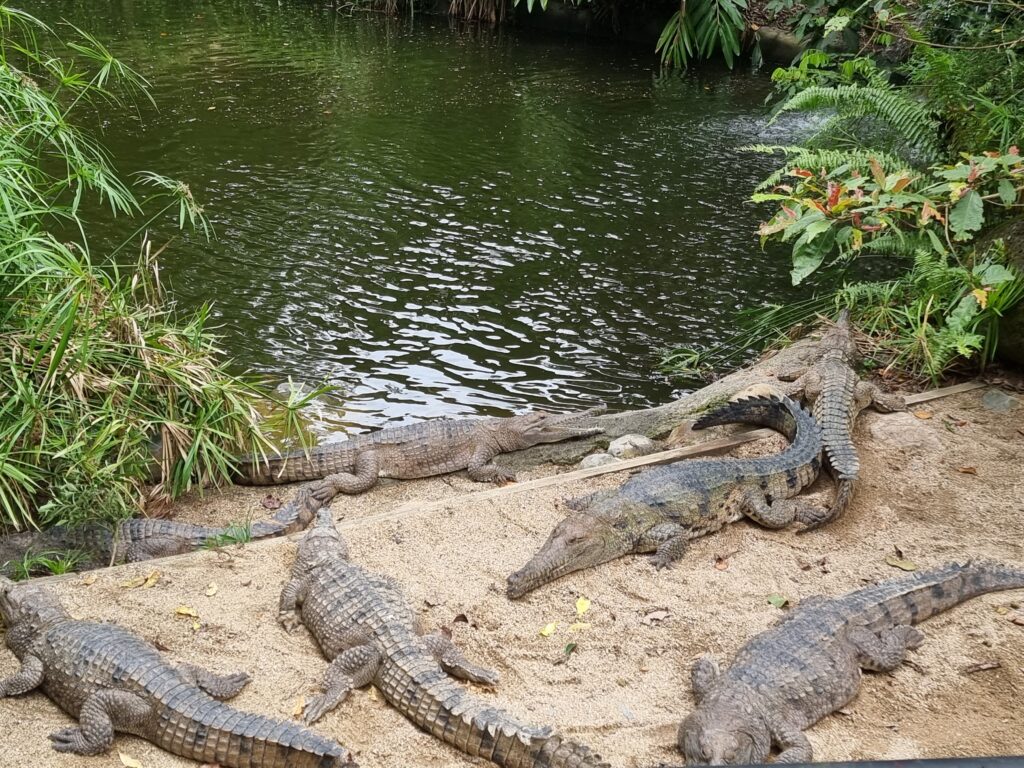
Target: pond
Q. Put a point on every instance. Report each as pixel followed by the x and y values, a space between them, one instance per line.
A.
pixel 442 220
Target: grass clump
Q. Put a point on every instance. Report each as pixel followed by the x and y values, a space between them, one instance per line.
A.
pixel 97 368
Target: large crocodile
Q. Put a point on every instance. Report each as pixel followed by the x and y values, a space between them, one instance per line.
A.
pixel 419 450
pixel 789 677
pixel 662 509
pixel 110 680
pixel 364 625
pixel 836 396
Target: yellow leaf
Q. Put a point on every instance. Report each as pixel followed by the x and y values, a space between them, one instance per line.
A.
pixel 88 579
pixel 549 630
pixel 138 581
pixel 151 579
pixel 184 610
pixel 578 626
pixel 981 295
pixel 128 761
pixel 211 590
pixel 582 606
pixel 195 626
pixel 923 414
pixel 899 562
pixel 300 706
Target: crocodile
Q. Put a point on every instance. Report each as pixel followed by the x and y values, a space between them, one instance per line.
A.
pixel 110 680
pixel 138 539
pixel 836 395
pixel 363 623
pixel 419 450
pixel 662 509
pixel 786 679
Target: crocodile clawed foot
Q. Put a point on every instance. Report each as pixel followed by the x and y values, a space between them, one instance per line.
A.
pixel 70 740
pixel 662 563
pixel 316 708
pixel 289 620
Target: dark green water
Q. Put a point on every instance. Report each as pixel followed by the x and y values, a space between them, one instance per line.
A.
pixel 443 221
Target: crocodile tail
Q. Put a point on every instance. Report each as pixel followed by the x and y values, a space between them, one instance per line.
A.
pixel 922 595
pixel 195 726
pixel 468 723
pixel 290 467
pixel 844 495
pixel 780 413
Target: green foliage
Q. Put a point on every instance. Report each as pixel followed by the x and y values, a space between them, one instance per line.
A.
pixel 913 125
pixel 96 368
pixel 50 563
pixel 702 28
pixel 840 213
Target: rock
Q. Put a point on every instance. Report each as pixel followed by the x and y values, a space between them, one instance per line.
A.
pixel 998 401
pixel 904 431
pixel 631 446
pixel 597 460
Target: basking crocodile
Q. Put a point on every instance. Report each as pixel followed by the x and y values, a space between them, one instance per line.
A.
pixel 110 680
pixel 786 679
pixel 363 623
pixel 662 509
pixel 138 539
pixel 419 450
pixel 836 396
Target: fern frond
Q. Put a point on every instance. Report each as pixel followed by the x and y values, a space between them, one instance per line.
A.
pixel 831 160
pixel 909 119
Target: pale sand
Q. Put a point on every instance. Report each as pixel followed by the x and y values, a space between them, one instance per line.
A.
pixel 626 687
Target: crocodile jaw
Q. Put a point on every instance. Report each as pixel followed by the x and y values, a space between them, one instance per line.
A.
pixel 579 541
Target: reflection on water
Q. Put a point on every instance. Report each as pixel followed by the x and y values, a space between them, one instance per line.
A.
pixel 443 222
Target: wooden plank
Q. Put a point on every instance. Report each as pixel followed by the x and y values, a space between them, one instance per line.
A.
pixel 662 457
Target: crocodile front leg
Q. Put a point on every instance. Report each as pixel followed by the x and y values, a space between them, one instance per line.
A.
pixel 101 713
pixel 669 542
pixel 794 746
pixel 220 687
pixel 354 668
pixel 292 597
pixel 703 676
pixel 454 662
pixel 868 393
pixel 28 677
pixel 483 469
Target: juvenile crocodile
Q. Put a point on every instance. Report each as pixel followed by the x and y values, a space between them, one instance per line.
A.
pixel 364 625
pixel 786 679
pixel 419 450
pixel 110 680
pixel 136 539
pixel 836 396
pixel 662 509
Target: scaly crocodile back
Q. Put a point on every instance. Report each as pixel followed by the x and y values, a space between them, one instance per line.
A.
pixel 81 658
pixel 781 413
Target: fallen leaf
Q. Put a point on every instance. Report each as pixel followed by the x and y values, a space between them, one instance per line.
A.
pixel 968 470
pixel 981 666
pixel 271 502
pixel 1002 610
pixel 923 414
pixel 184 610
pixel 151 579
pixel 655 616
pixel 300 706
pixel 195 626
pixel 577 626
pixel 779 601
pixel 88 580
pixel 898 562
pixel 582 606
pixel 567 652
pixel 211 590
pixel 461 617
pixel 128 761
pixel 549 629
pixel 138 581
